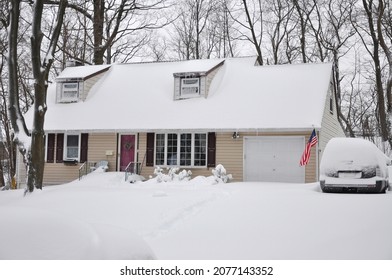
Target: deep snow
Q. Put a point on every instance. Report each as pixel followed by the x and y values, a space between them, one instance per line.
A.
pixel 103 217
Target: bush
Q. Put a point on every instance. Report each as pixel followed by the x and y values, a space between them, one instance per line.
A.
pixel 220 175
pixel 171 174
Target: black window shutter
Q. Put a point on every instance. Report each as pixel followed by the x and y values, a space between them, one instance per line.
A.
pixel 83 147
pixel 50 148
pixel 211 156
pixel 60 147
pixel 150 149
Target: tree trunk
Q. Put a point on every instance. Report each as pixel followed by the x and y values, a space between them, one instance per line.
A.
pixel 253 32
pixel 99 9
pixel 2 182
pixel 34 152
pixel 384 123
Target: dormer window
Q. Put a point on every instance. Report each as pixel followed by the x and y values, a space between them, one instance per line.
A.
pixel 70 92
pixel 190 87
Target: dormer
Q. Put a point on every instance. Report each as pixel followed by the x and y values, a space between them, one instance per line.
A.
pixel 68 91
pixel 194 84
pixel 74 83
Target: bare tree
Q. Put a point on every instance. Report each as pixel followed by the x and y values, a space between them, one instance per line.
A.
pixel 192 29
pixel 221 35
pixel 278 27
pixel 384 33
pixel 370 28
pixel 333 32
pixel 253 11
pixel 34 151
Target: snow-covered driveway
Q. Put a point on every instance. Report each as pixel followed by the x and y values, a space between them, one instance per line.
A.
pixel 197 220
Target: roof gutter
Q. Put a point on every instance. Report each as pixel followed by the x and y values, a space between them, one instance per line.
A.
pixel 160 130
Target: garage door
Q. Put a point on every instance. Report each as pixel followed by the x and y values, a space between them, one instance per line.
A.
pixel 273 159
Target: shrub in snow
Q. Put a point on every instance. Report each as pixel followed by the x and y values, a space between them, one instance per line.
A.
pixel 171 174
pixel 220 175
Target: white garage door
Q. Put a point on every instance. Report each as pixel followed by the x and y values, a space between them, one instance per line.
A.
pixel 273 159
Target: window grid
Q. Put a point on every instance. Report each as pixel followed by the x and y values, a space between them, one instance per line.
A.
pixel 160 149
pixel 183 149
pixel 186 150
pixel 200 149
pixel 70 92
pixel 172 149
pixel 72 150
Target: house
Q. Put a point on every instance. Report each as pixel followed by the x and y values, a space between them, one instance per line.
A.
pixel 255 120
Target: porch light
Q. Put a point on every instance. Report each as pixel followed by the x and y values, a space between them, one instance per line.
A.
pixel 236 135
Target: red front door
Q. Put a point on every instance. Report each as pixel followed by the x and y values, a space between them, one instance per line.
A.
pixel 127 150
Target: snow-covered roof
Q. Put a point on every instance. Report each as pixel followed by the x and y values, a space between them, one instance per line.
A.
pixel 242 96
pixel 81 72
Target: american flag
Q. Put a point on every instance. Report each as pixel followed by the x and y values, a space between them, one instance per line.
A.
pixel 306 154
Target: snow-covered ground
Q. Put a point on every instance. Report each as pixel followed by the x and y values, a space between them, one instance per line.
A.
pixel 103 217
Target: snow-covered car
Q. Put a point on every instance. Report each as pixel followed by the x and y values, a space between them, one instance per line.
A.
pixel 353 165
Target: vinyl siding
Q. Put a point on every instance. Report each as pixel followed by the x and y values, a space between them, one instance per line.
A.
pixel 230 154
pixel 99 144
pixel 209 79
pixel 330 126
pixel 88 84
pixel 59 173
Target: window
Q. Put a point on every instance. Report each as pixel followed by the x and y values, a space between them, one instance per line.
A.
pixel 200 150
pixel 190 87
pixel 61 147
pixel 160 149
pixel 183 149
pixel 171 152
pixel 186 149
pixel 70 92
pixel 72 147
pixel 331 103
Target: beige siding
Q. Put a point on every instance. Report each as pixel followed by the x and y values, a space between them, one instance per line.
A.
pixel 209 79
pixel 59 173
pixel 330 126
pixel 103 146
pixel 230 154
pixel 99 145
pixel 147 171
pixel 88 84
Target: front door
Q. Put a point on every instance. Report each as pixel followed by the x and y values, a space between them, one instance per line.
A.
pixel 127 150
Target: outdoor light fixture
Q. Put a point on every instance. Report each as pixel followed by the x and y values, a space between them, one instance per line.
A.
pixel 236 135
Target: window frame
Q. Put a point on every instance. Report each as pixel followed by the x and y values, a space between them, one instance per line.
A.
pixel 65 151
pixel 67 99
pixel 183 94
pixel 167 152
